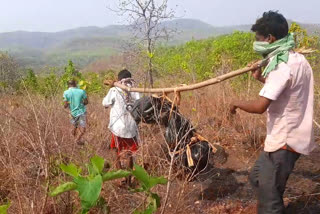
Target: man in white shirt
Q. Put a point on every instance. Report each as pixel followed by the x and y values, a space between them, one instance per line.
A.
pixel 287 96
pixel 122 125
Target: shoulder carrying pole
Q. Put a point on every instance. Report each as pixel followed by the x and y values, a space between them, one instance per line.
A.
pixel 212 81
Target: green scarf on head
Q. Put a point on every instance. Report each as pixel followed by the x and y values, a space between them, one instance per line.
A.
pixel 279 50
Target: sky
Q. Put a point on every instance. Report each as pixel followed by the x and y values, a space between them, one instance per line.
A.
pixel 57 15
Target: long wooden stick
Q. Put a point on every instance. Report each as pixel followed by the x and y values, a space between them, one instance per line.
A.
pixel 212 81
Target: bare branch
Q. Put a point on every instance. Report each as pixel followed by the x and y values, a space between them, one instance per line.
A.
pixel 146 21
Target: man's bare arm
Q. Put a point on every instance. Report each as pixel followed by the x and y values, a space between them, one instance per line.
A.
pixel 258 106
pixel 257 75
pixel 85 101
pixel 66 104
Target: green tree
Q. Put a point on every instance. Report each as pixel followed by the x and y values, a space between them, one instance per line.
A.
pixel 9 72
pixel 50 85
pixel 94 82
pixel 302 38
pixel 31 81
pixel 70 72
pixel 207 58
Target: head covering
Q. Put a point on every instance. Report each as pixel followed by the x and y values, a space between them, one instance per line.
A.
pixel 129 82
pixel 277 52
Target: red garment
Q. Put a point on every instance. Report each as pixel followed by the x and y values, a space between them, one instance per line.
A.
pixel 129 144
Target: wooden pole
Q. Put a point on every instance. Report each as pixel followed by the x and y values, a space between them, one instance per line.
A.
pixel 212 81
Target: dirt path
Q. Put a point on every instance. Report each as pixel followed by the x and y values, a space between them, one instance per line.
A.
pixel 225 188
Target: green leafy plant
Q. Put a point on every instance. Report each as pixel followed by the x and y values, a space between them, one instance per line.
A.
pixel 89 186
pixel 50 85
pixel 206 58
pixel 70 72
pixel 31 81
pixel 302 38
pixel 4 208
pixel 147 183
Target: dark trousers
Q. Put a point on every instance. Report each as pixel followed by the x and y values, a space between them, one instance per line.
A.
pixel 269 176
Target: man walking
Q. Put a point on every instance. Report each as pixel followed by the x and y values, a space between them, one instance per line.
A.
pixel 123 127
pixel 76 99
pixel 287 96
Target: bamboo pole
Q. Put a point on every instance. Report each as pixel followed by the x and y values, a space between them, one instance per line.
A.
pixel 191 87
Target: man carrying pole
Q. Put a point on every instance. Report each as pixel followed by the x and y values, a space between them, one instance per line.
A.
pixel 287 96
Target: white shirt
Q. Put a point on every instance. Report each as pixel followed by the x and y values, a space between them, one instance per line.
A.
pixel 290 114
pixel 121 122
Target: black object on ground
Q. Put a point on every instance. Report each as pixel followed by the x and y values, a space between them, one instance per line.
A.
pixel 179 130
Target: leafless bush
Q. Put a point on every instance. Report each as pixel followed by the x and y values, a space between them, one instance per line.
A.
pixel 35 139
pixel 146 19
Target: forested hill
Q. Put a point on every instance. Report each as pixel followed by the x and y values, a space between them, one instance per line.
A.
pixel 86 44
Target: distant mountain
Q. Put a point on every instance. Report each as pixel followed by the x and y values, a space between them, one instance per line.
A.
pixel 40 40
pixel 87 44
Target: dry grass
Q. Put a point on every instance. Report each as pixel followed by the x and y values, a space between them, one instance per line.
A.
pixel 35 139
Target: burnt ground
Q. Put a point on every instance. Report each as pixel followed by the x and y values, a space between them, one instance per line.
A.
pixel 225 188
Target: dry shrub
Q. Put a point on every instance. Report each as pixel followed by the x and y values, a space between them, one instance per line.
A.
pixel 35 139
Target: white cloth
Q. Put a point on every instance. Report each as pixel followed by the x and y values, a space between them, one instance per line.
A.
pixel 121 122
pixel 290 114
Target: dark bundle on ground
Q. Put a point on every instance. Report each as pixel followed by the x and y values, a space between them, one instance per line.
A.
pixel 179 132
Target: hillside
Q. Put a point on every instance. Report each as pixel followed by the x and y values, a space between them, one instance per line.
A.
pixel 87 44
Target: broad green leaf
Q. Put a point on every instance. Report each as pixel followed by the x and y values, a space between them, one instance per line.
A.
pixel 157 180
pixel 81 83
pixel 147 181
pixel 152 206
pixel 85 211
pixel 103 205
pixel 138 190
pixel 71 169
pixel 89 190
pixel 63 188
pixel 150 55
pixel 156 199
pixel 4 208
pixel 146 211
pixel 97 163
pixel 92 171
pixel 115 175
pixel 141 174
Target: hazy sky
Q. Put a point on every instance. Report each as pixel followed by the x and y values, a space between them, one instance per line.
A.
pixel 56 15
